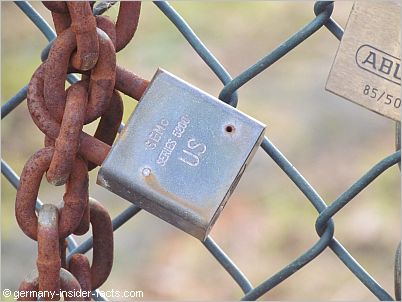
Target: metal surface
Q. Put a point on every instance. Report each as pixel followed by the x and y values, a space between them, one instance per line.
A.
pixel 102 243
pixel 81 47
pixel 367 66
pixel 79 267
pixel 323 11
pixel 30 285
pixel 49 261
pixel 181 154
pixel 83 24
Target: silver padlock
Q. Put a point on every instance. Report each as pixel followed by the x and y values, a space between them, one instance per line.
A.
pixel 181 154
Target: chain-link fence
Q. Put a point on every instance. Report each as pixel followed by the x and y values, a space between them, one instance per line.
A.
pixel 324 222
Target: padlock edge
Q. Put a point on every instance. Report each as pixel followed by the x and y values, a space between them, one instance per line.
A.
pixel 195 224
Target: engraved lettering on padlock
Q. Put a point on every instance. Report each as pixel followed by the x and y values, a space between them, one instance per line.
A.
pixel 167 150
pixel 156 134
pixel 179 130
pixel 367 66
pixel 181 180
pixel 192 158
pixel 379 62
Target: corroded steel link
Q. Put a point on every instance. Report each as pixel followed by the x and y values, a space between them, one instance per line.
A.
pixel 37 108
pixel 78 15
pixel 67 281
pixel 30 283
pixel 102 230
pixel 129 83
pixel 91 149
pixel 48 142
pixel 61 22
pixel 60 15
pixel 127 22
pixel 84 224
pixel 55 74
pixel 48 262
pixel 28 189
pixel 79 267
pixel 87 45
pixel 83 24
pixel 107 25
pixel 56 6
pixel 67 142
pixel 63 253
pixel 102 79
pixel 109 124
pixel 75 198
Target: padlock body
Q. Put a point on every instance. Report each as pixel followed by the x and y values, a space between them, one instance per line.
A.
pixel 181 154
pixel 367 67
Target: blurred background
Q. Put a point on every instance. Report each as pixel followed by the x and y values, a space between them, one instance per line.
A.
pixel 267 222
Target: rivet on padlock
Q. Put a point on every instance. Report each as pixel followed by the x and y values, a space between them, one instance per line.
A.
pixel 181 154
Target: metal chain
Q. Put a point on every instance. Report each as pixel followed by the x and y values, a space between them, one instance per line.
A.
pixel 87 45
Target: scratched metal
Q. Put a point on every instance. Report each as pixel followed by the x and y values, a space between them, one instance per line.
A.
pixel 181 154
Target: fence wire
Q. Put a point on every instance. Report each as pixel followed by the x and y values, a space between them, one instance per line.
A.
pixel 324 224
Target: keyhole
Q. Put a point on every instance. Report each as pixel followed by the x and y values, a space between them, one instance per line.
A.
pixel 230 128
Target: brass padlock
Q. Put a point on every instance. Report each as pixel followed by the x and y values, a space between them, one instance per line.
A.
pixel 367 67
pixel 181 154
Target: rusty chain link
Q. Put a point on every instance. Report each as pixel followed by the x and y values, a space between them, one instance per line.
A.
pixel 85 44
pixel 67 283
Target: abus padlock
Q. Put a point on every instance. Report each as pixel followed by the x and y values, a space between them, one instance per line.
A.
pixel 181 154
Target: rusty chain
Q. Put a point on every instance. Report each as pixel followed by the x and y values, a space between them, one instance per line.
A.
pixel 87 45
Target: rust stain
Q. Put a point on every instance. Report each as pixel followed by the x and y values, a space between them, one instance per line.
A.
pixel 154 184
pixel 83 24
pixel 127 22
pixel 79 267
pixel 67 142
pixel 48 262
pixel 80 47
pixel 102 229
